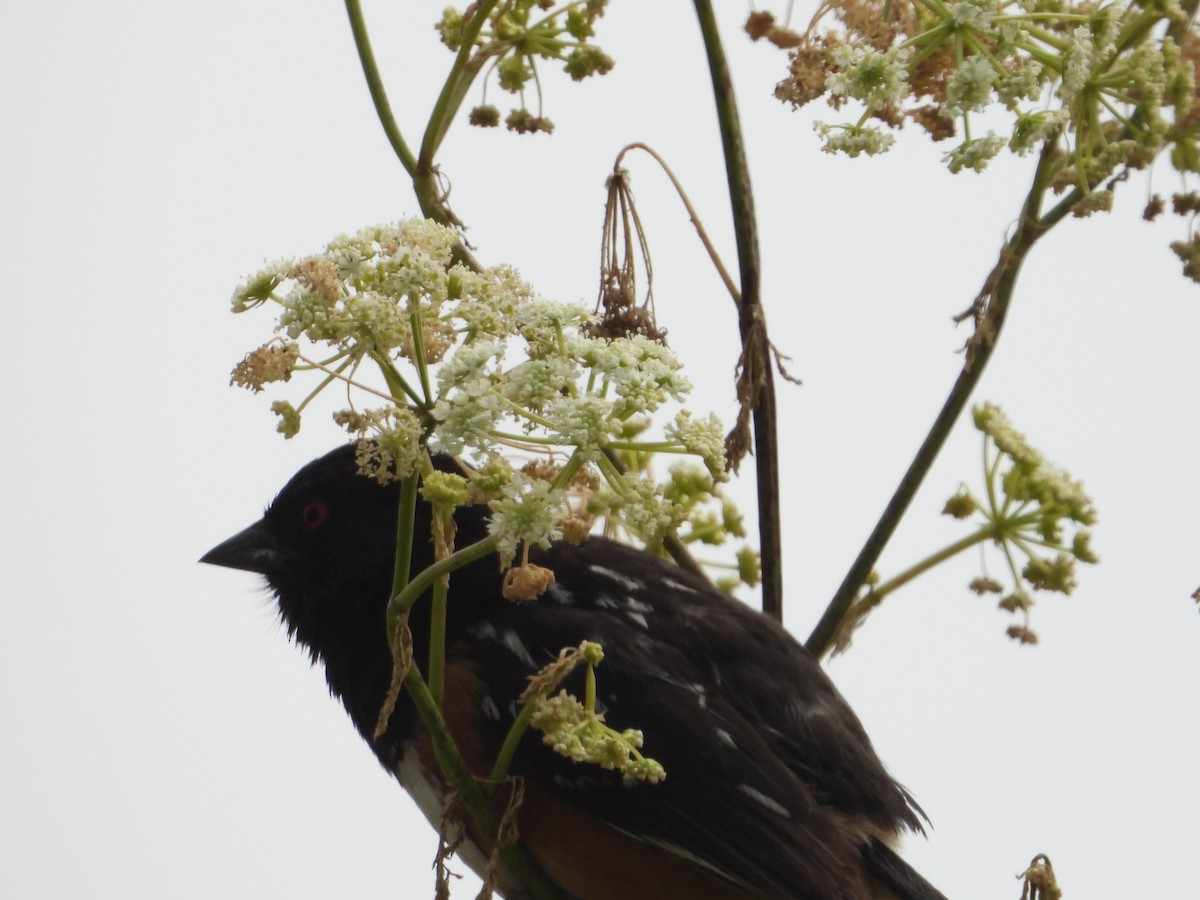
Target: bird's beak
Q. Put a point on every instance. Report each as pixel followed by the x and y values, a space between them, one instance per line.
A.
pixel 252 550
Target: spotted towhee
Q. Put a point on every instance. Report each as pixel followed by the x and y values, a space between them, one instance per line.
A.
pixel 772 789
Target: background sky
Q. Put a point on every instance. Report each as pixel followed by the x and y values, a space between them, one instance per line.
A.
pixel 161 737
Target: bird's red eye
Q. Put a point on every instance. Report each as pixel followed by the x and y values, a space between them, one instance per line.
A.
pixel 314 514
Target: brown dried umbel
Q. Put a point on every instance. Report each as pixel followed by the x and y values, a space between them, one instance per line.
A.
pixel 622 240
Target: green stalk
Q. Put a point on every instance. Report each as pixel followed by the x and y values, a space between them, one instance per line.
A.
pixel 986 532
pixel 437 639
pixel 422 581
pixel 414 321
pixel 454 89
pixel 473 795
pixel 396 383
pixel 512 740
pixel 994 300
pixel 405 527
pixel 424 184
pixel 756 349
pixel 613 467
pixel 383 108
pixel 589 690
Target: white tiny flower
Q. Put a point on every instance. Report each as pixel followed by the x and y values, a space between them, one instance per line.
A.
pixel 352 256
pixel 643 510
pixel 702 437
pixel 1031 129
pixel 1078 60
pixel 542 323
pixel 643 373
pixel 1023 84
pixel 535 382
pixel 868 75
pixel 974 14
pixel 527 510
pixel 853 139
pixel 257 288
pixel 434 240
pixel 583 422
pixel 378 323
pixel 467 419
pixel 969 89
pixel 490 299
pixel 974 154
pixel 306 312
pixel 471 362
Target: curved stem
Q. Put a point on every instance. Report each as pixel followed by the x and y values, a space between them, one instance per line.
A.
pixel 512 740
pixel 671 542
pixel 403 601
pixel 423 179
pixel 992 303
pixel 875 597
pixel 756 387
pixel 458 82
pixel 437 639
pixel 987 532
pixel 726 278
pixel 405 528
pixel 375 84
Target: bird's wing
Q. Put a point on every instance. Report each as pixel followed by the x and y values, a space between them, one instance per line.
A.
pixel 769 777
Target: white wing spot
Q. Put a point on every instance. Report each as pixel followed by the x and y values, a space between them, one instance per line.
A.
pixel 484 631
pixel 638 618
pixel 560 595
pixel 679 586
pixel 512 641
pixel 490 710
pixel 603 601
pixel 759 797
pixel 726 738
pixel 637 605
pixel 630 584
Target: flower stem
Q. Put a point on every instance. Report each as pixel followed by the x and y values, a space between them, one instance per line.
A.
pixel 383 108
pixel 756 388
pixel 437 638
pixel 421 582
pixel 405 527
pixel 992 307
pixel 515 732
pixel 986 532
pixel 474 796
pixel 462 74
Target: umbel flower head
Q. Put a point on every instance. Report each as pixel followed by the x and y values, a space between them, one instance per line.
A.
pixel 471 361
pixel 516 36
pixel 1111 85
pixel 1033 510
pixel 575 729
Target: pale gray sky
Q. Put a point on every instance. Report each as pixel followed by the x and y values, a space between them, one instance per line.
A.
pixel 163 739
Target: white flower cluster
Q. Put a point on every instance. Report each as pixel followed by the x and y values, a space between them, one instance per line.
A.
pixel 1075 70
pixel 581 735
pixel 471 360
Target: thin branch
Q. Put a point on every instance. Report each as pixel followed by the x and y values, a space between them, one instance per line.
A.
pixel 475 796
pixel 467 65
pixel 756 387
pixel 420 173
pixel 991 308
pixel 375 84
pixel 671 542
pixel 726 278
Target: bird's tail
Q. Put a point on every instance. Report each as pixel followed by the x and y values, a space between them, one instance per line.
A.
pixel 896 878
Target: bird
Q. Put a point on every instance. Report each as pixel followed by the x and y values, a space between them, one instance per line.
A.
pixel 771 790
